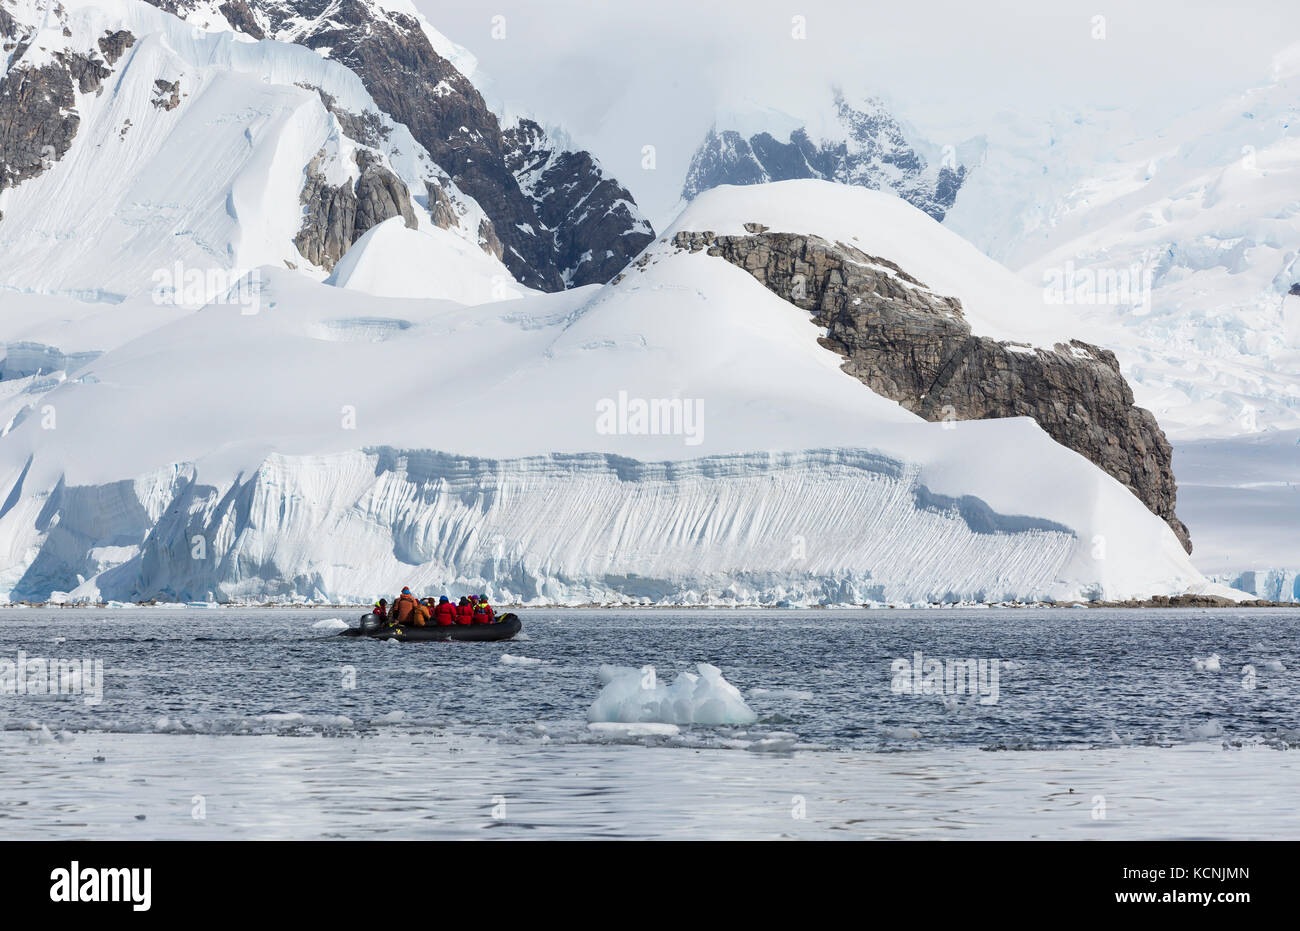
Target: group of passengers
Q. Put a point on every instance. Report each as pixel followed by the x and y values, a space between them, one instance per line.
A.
pixel 407 609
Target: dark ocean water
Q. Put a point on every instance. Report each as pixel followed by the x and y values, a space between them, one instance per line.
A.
pixel 1083 678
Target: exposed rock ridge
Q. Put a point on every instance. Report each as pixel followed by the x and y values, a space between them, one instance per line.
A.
pixel 914 346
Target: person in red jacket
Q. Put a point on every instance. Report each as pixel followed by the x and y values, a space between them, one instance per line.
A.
pixel 464 611
pixel 445 613
pixel 482 611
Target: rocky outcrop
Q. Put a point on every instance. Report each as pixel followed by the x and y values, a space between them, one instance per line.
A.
pixel 338 215
pixel 572 197
pixel 166 94
pixel 415 85
pixel 914 346
pixel 871 151
pixel 37 121
pixel 38 116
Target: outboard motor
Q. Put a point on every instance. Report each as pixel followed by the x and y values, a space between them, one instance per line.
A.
pixel 368 622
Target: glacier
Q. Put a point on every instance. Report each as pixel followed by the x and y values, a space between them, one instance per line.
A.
pixel 318 450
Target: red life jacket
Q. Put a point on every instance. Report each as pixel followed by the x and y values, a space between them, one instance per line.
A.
pixel 464 614
pixel 445 614
pixel 491 615
pixel 480 616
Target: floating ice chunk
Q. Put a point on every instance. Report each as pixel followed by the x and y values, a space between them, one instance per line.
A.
pixel 775 742
pixel 701 697
pixel 1273 665
pixel 42 736
pixel 901 733
pixel 1206 731
pixel 794 694
pixel 330 623
pixel 511 660
pixel 633 729
pixel 1209 664
pixel 392 717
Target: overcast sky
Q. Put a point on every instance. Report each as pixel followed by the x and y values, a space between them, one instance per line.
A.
pixel 622 74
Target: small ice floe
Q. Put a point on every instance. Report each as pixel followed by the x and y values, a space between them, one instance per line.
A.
pixel 510 659
pixel 775 742
pixel 1209 664
pixel 64 737
pixel 1123 741
pixel 1205 731
pixel 1272 665
pixel 331 623
pixel 522 635
pixel 626 729
pixel 60 639
pixel 632 694
pixel 393 641
pixel 901 733
pixel 392 717
pixel 41 736
pixel 792 694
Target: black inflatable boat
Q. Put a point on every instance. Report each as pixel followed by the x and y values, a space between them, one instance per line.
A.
pixel 503 629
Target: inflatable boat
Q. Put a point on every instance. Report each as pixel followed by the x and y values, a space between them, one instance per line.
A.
pixel 503 628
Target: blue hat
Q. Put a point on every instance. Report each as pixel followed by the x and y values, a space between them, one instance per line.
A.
pixel 442 600
pixel 405 590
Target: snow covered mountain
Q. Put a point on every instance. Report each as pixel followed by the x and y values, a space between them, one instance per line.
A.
pixel 859 144
pixel 576 203
pixel 1184 235
pixel 142 155
pixel 1180 237
pixel 422 80
pixel 302 326
pixel 678 435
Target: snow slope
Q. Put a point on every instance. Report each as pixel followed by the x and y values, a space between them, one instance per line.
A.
pixel 325 446
pixel 390 260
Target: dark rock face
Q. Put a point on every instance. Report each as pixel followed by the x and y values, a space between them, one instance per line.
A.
pixel 38 117
pixel 914 346
pixel 337 216
pixel 416 86
pixel 874 153
pixel 571 196
pixel 37 121
pixel 114 45
pixel 166 94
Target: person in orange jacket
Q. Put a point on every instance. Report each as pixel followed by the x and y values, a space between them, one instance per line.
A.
pixel 406 610
pixel 445 612
pixel 464 611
